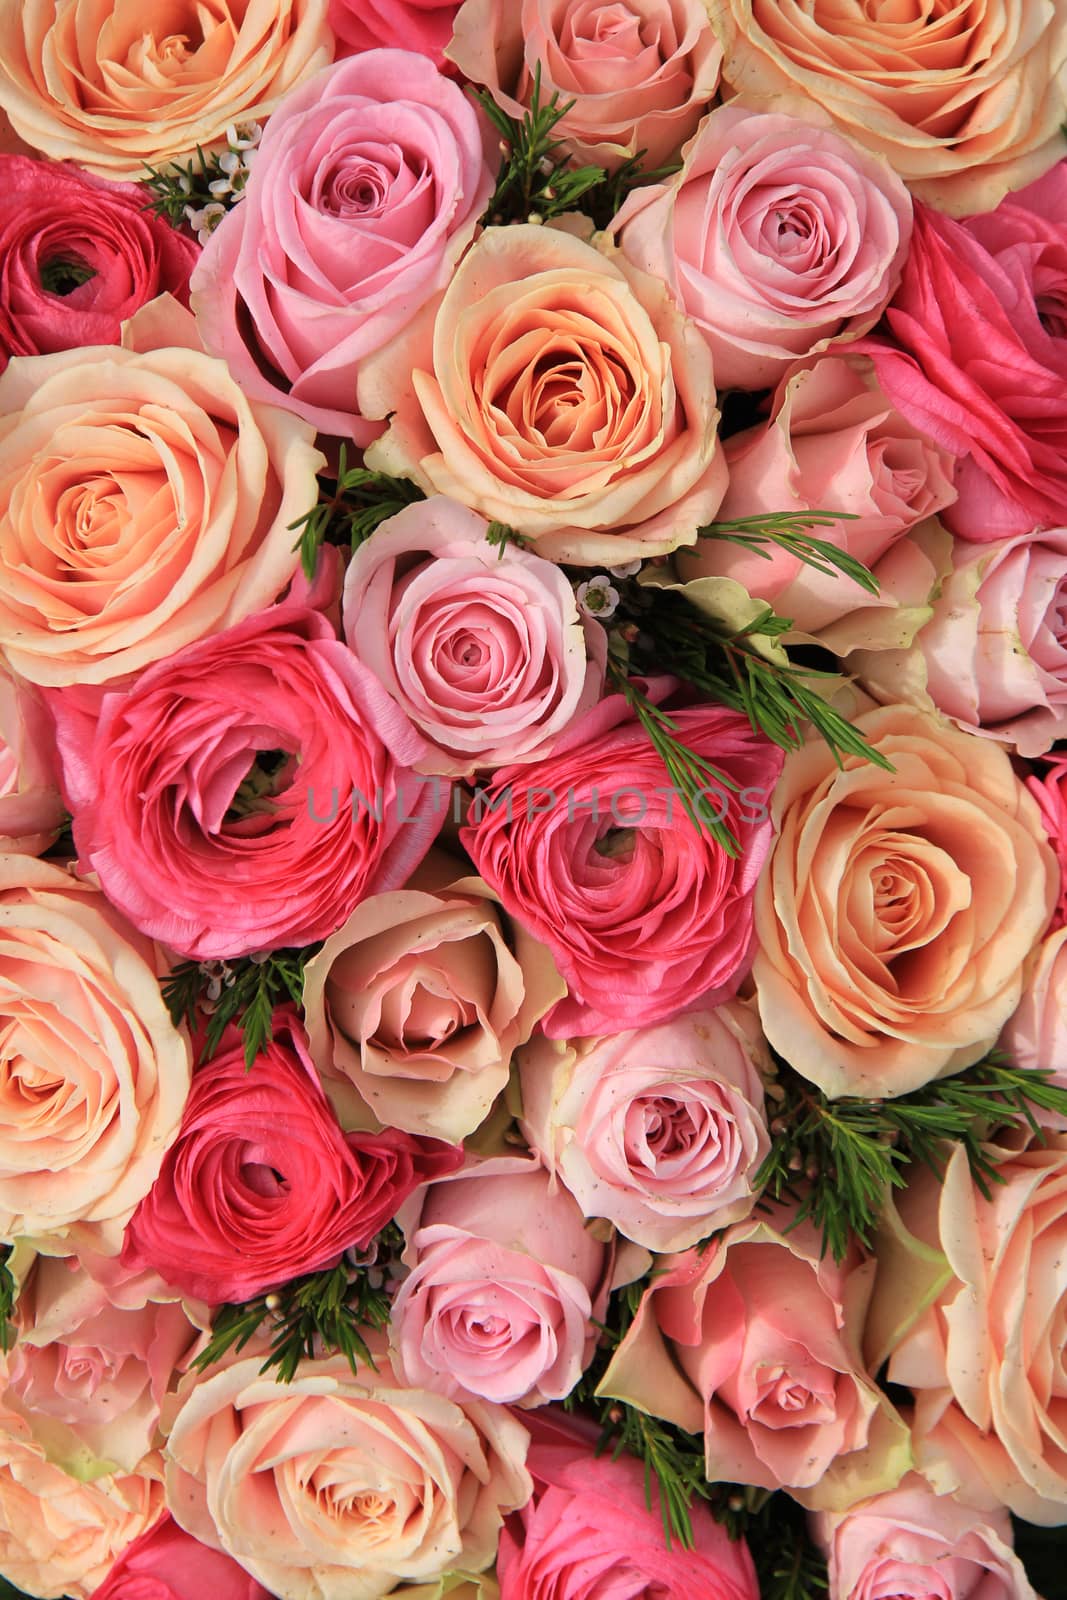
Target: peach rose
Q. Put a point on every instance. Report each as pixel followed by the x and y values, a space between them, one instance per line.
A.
pixel 755 1343
pixel 418 1001
pixel 636 75
pixel 560 393
pixel 341 1485
pixel 660 1130
pixel 94 1074
pixel 970 1306
pixel 31 809
pixel 114 87
pixel 144 503
pixel 965 102
pixel 897 909
pixel 59 1536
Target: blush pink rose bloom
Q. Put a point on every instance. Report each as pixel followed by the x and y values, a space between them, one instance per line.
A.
pixel 505 1285
pixel 776 236
pixel 366 189
pixel 483 650
pixel 591 1531
pixel 170 494
pixel 1049 789
pixel 755 1342
pixel 166 1564
pixel 594 853
pixel 90 1375
pixel 993 655
pixel 60 1536
pixel 660 1130
pixel 418 1002
pixel 1036 1033
pixel 977 363
pixel 913 1544
pixel 239 797
pixel 92 82
pixel 94 1074
pixel 833 442
pixel 555 389
pixel 31 809
pixel 970 1308
pixel 898 909
pixel 635 75
pixel 422 25
pixel 341 1485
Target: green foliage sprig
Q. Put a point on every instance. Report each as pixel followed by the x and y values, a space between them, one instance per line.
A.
pixel 349 509
pixel 212 180
pixel 838 1159
pixel 8 1296
pixel 244 992
pixel 789 531
pixel 536 178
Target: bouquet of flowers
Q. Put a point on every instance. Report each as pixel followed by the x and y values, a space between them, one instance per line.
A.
pixel 533 799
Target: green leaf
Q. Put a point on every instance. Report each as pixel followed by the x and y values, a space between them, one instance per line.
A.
pixel 349 509
pixel 788 530
pixel 244 992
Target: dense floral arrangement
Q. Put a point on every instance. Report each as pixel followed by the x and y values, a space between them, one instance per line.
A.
pixel 533 799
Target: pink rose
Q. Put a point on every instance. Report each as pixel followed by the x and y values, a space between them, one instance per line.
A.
pixel 95 1073
pixel 556 390
pixel 993 655
pixel 636 75
pixel 755 1342
pixel 833 443
pixel 1050 791
pixel 266 831
pixel 1036 1033
pixel 417 1003
pixel 775 237
pixel 594 853
pixel 974 365
pixel 913 1544
pixel 341 1483
pixel 505 1283
pixel 366 189
pixel 77 257
pixel 166 1564
pixel 660 1130
pixel 483 650
pixel 422 25
pixel 31 810
pixel 591 1531
pixel 261 1185
pixel 898 909
pixel 89 1375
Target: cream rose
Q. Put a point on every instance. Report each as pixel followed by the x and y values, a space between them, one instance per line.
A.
pixel 93 1073
pixel 965 101
pixel 897 909
pixel 340 1485
pixel 419 1000
pixel 113 86
pixel 144 503
pixel 559 392
pixel 31 809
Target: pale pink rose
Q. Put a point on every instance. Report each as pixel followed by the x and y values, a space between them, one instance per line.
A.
pixel 833 442
pixel 965 102
pixel 94 1074
pixel 59 1536
pixel 340 1485
pixel 166 1564
pixel 913 1544
pixel 422 25
pixel 993 656
pixel 365 190
pixel 170 494
pixel 755 1342
pixel 418 1001
pixel 636 75
pixel 1036 1034
pixel 660 1130
pixel 776 236
pixel 31 808
pixel 113 89
pixel 482 649
pixel 1050 791
pixel 970 1306
pixel 505 1285
pixel 560 392
pixel 88 1375
pixel 898 908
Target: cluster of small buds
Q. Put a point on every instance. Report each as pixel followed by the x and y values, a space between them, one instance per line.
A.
pixel 219 976
pixel 234 168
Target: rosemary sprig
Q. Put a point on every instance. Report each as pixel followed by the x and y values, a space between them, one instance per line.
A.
pixel 201 191
pixel 349 509
pixel 245 992
pixel 8 1296
pixel 536 178
pixel 788 530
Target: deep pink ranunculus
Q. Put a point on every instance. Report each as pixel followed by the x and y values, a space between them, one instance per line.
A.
pixel 166 1563
pixel 261 1185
